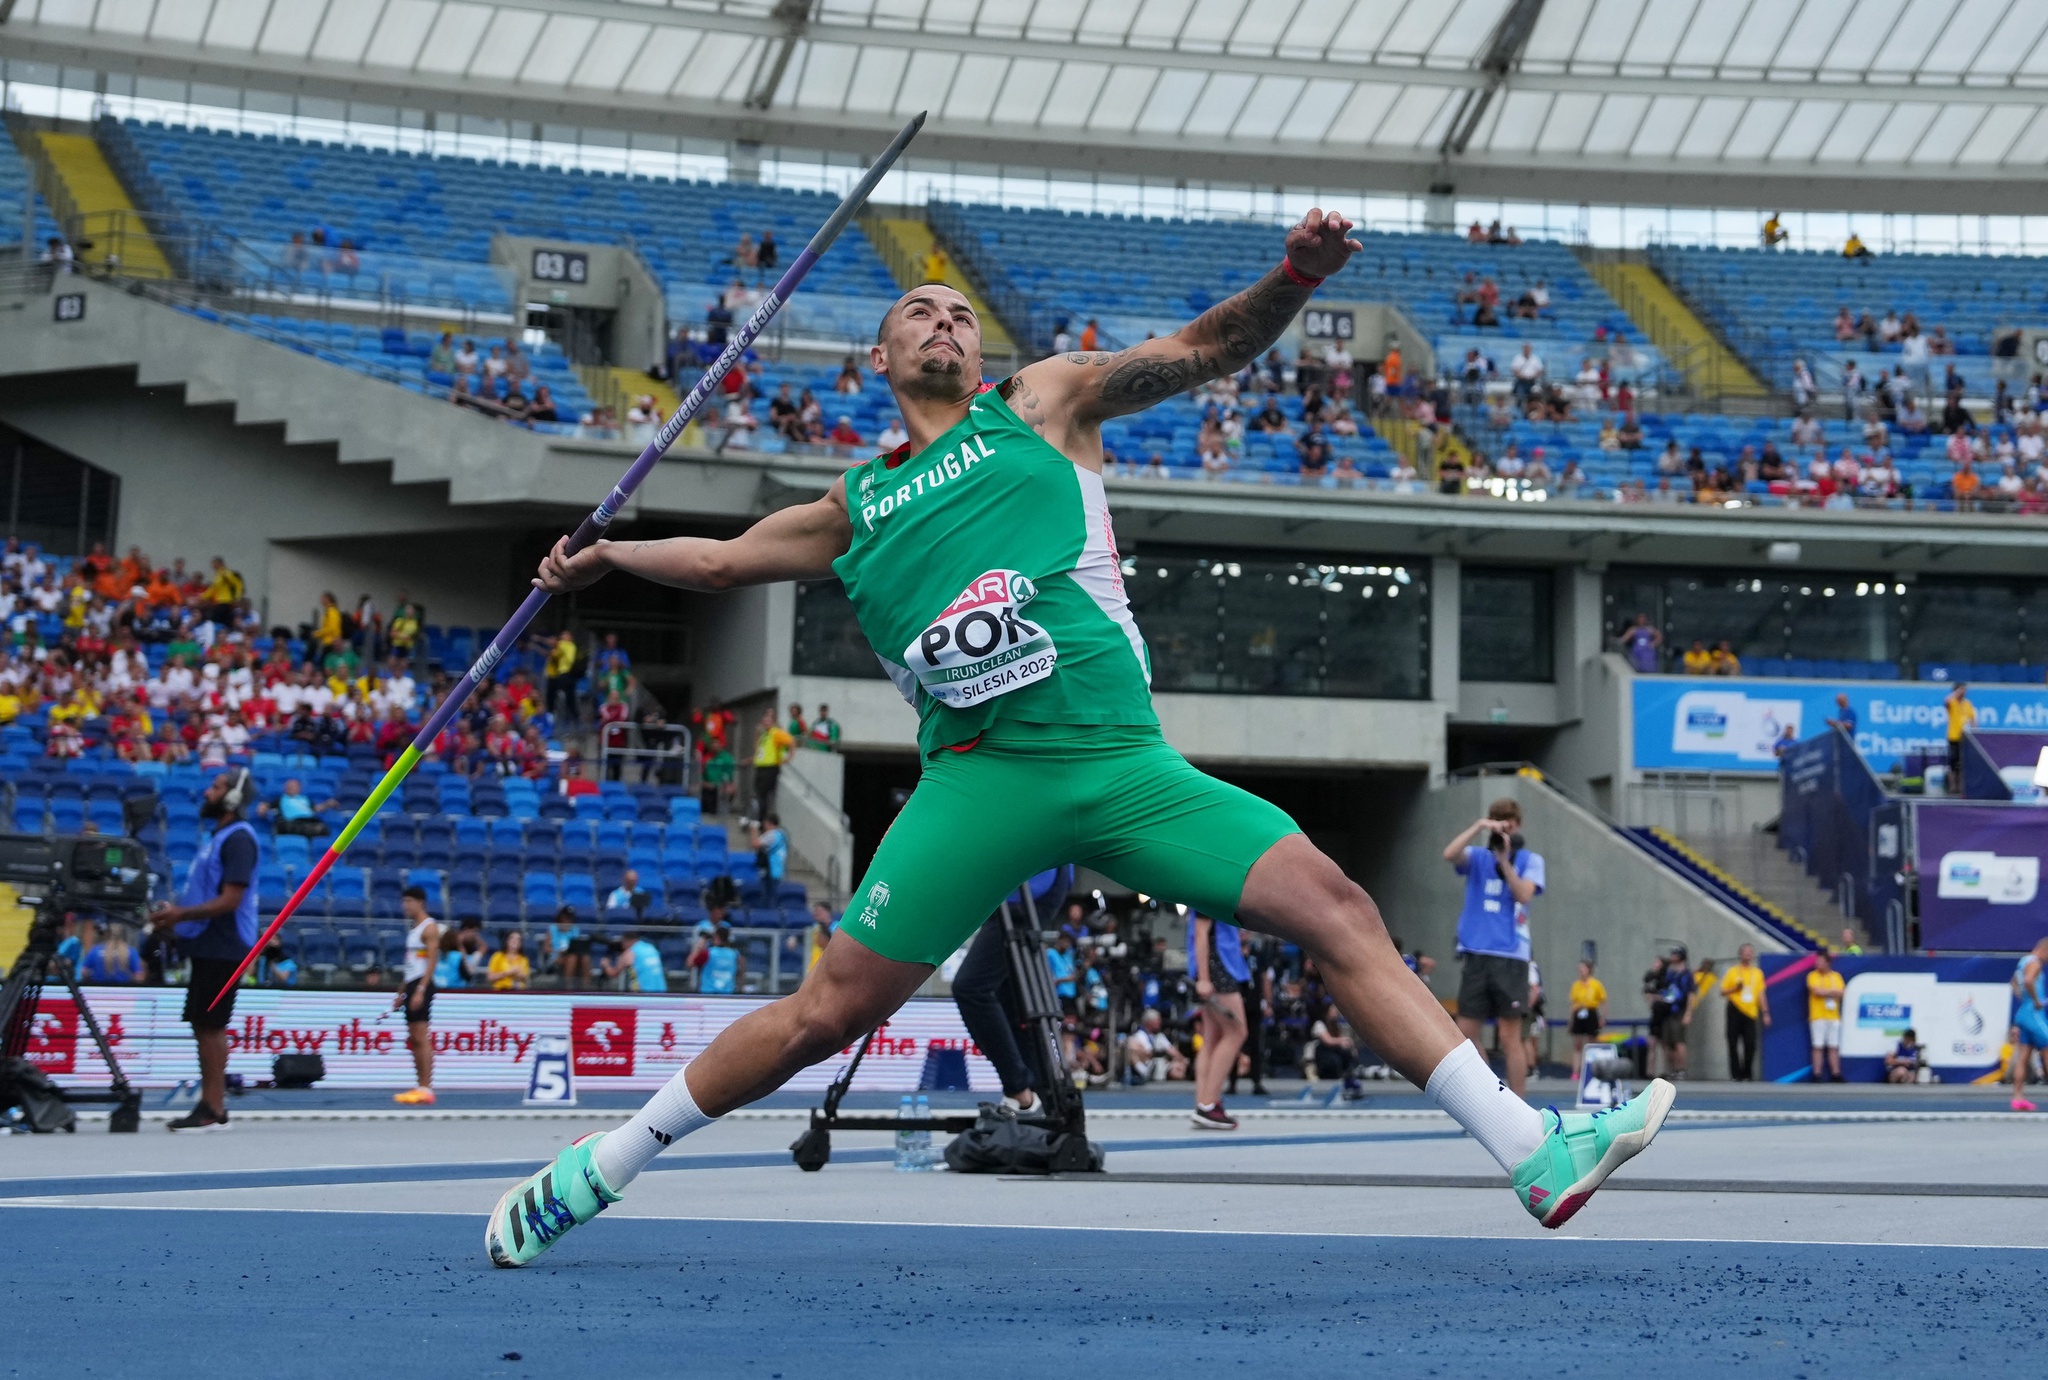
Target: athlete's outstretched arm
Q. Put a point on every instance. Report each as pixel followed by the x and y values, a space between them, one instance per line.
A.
pixel 1222 340
pixel 797 543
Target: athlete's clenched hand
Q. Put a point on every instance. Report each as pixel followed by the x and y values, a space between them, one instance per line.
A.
pixel 561 572
pixel 1319 245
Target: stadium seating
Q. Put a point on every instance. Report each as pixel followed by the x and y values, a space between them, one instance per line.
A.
pixel 16 178
pixel 1780 306
pixel 1142 276
pixel 422 225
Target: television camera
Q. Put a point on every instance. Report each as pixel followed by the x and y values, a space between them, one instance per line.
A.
pixel 55 876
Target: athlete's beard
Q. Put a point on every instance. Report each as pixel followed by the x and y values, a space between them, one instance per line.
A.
pixel 939 378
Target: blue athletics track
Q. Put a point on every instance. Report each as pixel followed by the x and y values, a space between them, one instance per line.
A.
pixel 1807 1236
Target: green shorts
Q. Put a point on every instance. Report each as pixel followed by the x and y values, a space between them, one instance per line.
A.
pixel 1028 797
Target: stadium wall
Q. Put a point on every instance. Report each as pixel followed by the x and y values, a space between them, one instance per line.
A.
pixel 1599 888
pixel 195 484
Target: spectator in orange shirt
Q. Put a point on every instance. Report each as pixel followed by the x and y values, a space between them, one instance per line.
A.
pixel 163 591
pixel 1964 485
pixel 1091 336
pixel 1393 369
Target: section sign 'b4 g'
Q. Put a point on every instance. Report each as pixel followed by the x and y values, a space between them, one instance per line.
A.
pixel 982 645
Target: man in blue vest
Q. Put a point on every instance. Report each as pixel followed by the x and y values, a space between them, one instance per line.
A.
pixel 1501 878
pixel 215 924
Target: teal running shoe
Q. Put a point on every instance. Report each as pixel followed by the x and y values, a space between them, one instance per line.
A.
pixel 1582 1150
pixel 533 1214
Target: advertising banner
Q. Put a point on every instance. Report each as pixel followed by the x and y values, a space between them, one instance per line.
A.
pixel 1958 1009
pixel 1713 723
pixel 481 1039
pixel 1980 876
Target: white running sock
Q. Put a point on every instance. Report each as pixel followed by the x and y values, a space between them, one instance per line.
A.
pixel 668 1116
pixel 1477 1100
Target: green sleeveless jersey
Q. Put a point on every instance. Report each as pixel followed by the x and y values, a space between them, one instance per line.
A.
pixel 985 576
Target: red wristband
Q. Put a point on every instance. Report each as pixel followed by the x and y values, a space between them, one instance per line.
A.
pixel 1296 275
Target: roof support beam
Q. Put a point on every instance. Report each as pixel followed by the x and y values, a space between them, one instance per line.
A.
pixel 1604 180
pixel 1503 54
pixel 794 16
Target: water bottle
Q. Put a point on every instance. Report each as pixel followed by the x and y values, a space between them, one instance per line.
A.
pixel 906 1141
pixel 925 1156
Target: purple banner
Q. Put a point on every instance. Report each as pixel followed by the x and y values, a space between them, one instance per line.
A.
pixel 2013 749
pixel 1980 876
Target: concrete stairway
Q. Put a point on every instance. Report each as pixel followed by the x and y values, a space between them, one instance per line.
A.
pixel 1755 861
pixel 1711 369
pixel 905 245
pixel 94 208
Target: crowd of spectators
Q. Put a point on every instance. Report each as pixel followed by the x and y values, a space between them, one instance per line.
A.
pixel 161 663
pixel 1130 1012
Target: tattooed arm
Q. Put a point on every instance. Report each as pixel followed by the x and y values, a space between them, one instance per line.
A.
pixel 1066 397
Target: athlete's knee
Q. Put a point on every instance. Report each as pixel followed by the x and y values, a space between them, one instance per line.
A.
pixel 821 1025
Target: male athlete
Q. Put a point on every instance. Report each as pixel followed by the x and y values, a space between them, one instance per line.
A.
pixel 980 563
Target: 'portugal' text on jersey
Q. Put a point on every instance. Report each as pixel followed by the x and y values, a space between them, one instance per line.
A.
pixel 985 575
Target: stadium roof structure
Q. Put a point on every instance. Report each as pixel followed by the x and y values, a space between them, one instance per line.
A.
pixel 1908 105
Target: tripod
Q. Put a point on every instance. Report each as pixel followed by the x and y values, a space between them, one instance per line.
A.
pixel 1062 1114
pixel 37 962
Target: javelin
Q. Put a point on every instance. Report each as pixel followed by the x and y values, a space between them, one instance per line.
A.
pixel 589 531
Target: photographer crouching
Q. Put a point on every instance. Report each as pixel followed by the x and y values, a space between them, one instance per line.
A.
pixel 215 924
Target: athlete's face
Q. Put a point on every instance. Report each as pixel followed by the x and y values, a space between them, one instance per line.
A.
pixel 930 344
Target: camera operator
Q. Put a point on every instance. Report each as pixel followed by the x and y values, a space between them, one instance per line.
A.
pixel 1501 878
pixel 215 923
pixel 990 1005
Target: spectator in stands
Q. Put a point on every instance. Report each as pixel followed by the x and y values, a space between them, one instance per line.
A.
pixel 718 322
pixel 567 947
pixel 724 965
pixel 893 435
pixel 843 433
pixel 510 970
pixel 1534 301
pixel 824 731
pixel 1774 231
pixel 1824 987
pixel 1852 390
pixel 1271 419
pixel 1911 419
pixel 849 381
pixel 1724 661
pixel 1670 461
pixel 1314 454
pixel 441 360
pixel 112 960
pixel 936 264
pixel 1487 312
pixel 517 368
pixel 295 811
pixel 1747 1015
pixel 1698 661
pixel 1640 644
pixel 1475 234
pixel 772 747
pixel 1855 248
pixel 628 897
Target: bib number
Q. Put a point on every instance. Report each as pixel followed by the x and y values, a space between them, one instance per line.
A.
pixel 983 645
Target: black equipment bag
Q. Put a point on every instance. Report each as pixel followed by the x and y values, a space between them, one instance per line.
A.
pixel 298 1070
pixel 1001 1144
pixel 42 1105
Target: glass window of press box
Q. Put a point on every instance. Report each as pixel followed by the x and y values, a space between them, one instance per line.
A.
pixel 1505 624
pixel 1853 624
pixel 56 501
pixel 1229 624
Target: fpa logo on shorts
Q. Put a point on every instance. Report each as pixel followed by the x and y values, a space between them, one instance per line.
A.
pixel 601 1040
pixel 878 898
